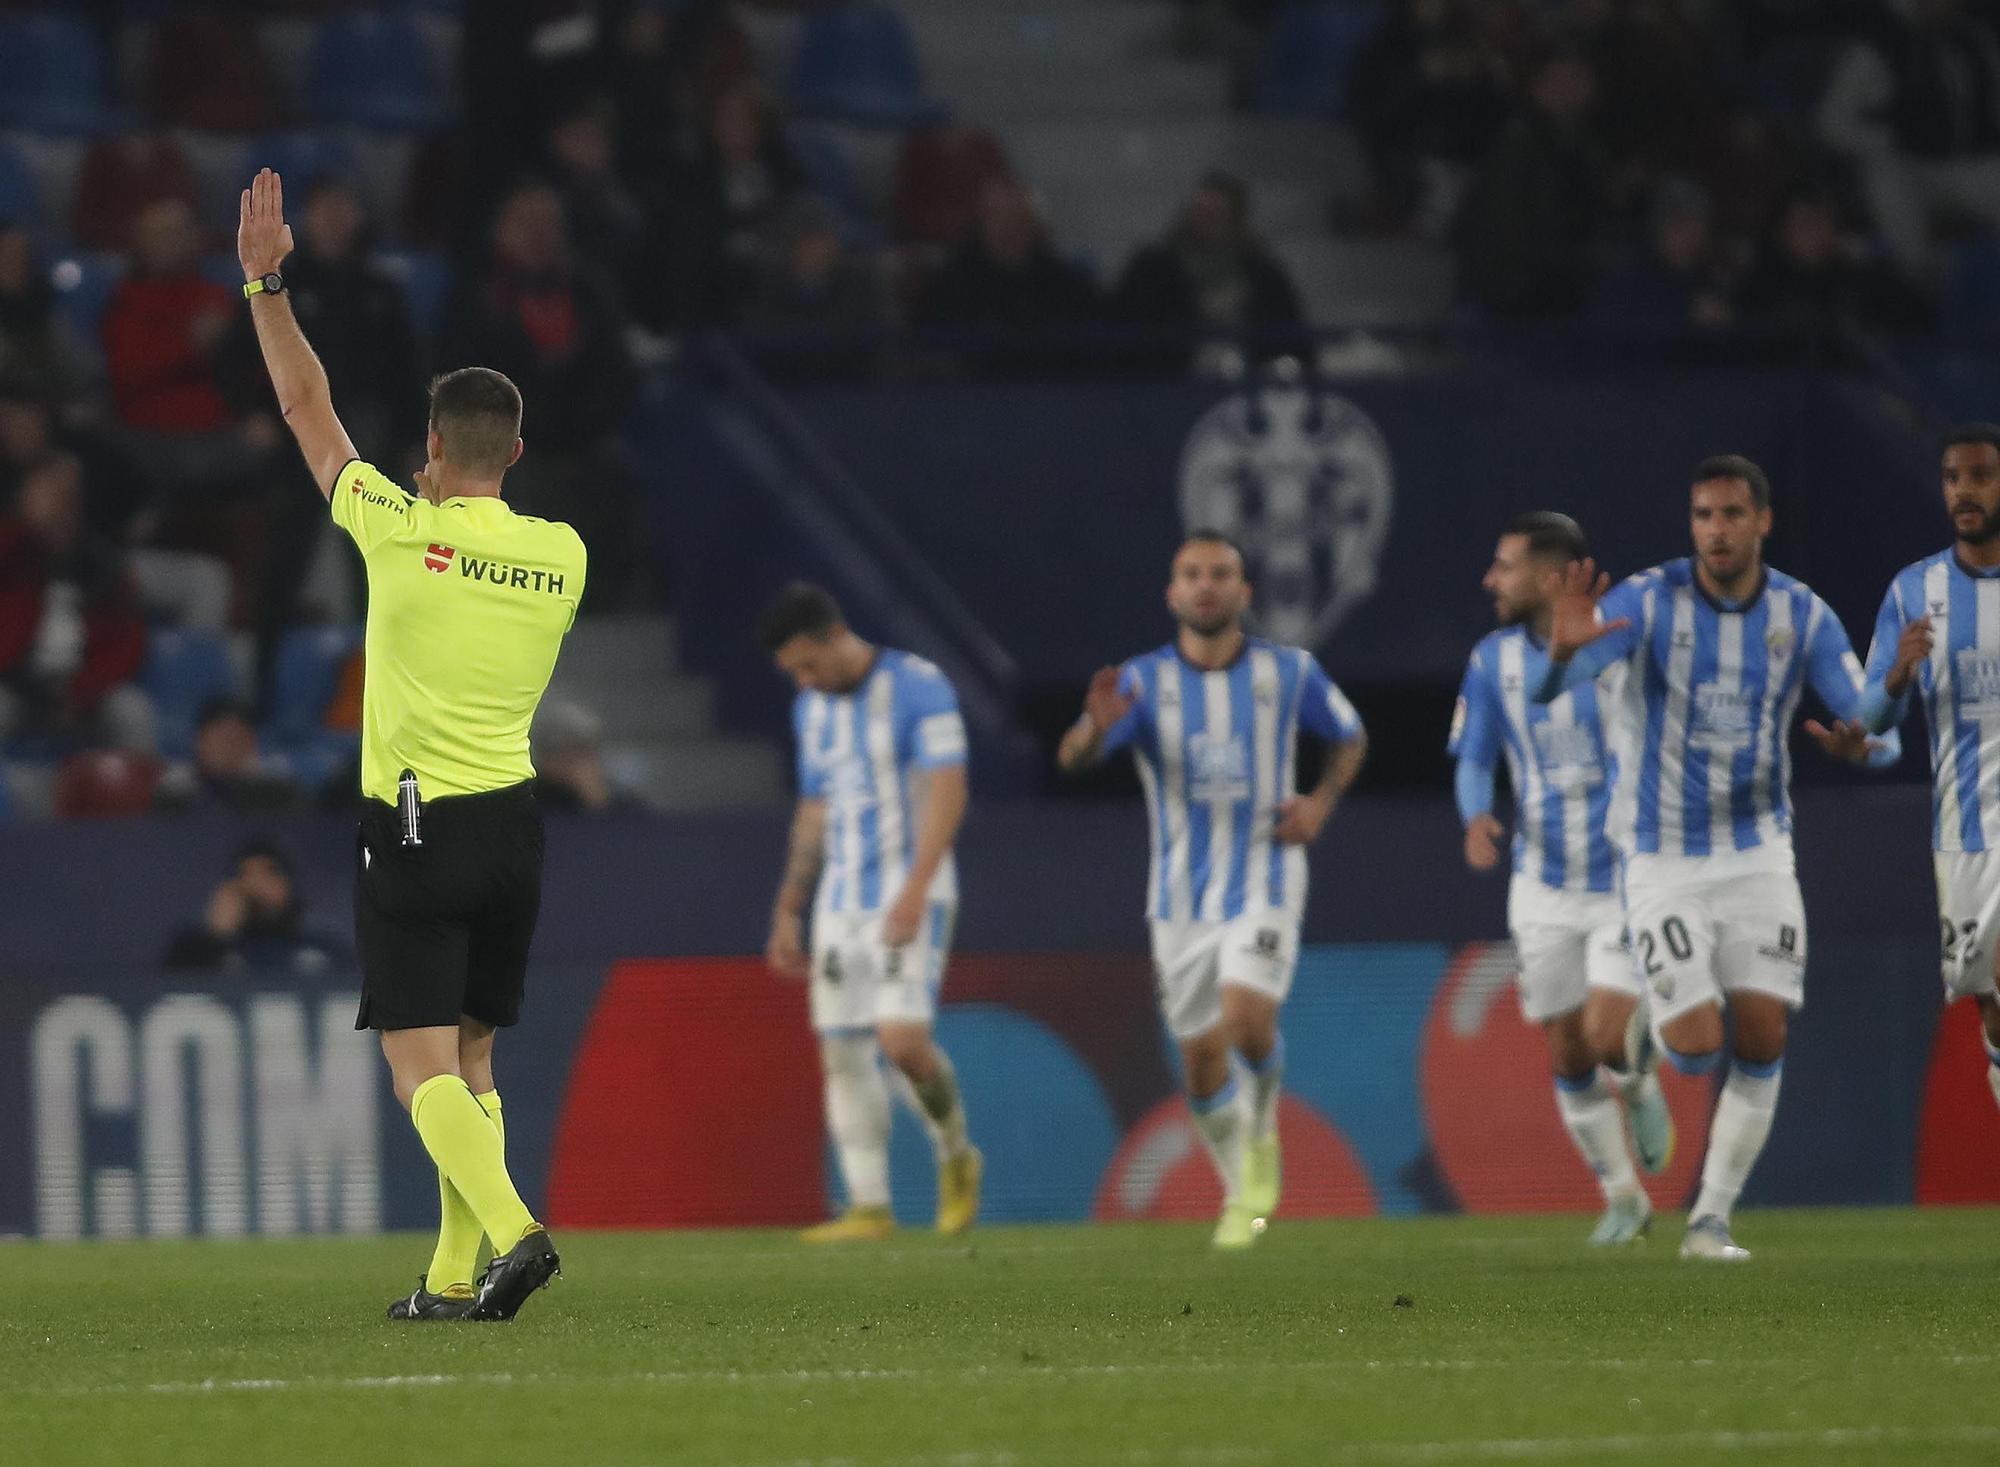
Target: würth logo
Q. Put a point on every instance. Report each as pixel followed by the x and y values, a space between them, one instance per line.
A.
pixel 437 559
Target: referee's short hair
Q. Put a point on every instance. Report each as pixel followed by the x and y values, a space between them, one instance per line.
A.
pixel 1550 536
pixel 1736 466
pixel 800 610
pixel 477 412
pixel 1966 434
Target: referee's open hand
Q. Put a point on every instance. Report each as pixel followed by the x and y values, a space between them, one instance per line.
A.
pixel 263 239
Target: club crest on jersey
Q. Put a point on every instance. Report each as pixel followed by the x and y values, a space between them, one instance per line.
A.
pixel 1303 479
pixel 437 558
pixel 1779 641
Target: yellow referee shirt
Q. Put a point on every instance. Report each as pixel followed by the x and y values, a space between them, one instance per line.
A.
pixel 467 606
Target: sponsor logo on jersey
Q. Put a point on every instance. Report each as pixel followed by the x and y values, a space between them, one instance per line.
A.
pixel 437 558
pixel 498 574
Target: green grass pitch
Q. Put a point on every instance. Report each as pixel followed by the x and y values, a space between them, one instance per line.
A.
pixel 1856 1337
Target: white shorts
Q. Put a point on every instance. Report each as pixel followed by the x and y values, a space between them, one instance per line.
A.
pixel 1193 960
pixel 858 982
pixel 1704 928
pixel 1566 942
pixel 1968 887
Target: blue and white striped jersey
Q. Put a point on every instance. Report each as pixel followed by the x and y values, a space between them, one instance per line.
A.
pixel 858 751
pixel 1556 759
pixel 1216 753
pixel 1701 728
pixel 1960 688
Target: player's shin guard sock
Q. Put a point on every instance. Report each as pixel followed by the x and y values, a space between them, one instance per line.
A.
pixel 466 1147
pixel 458 1229
pixel 1589 1109
pixel 1224 1122
pixel 1267 1083
pixel 937 1104
pixel 857 1116
pixel 1737 1134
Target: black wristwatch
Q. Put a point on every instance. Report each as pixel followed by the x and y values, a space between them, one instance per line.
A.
pixel 272 284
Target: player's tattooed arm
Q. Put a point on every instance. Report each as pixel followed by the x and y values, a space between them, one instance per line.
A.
pixel 805 853
pixel 941 805
pixel 1303 817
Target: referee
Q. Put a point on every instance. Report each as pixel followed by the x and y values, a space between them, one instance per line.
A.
pixel 467 606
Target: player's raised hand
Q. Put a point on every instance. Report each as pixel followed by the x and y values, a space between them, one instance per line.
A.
pixel 1913 650
pixel 263 239
pixel 1845 740
pixel 1576 623
pixel 1106 702
pixel 785 952
pixel 1483 834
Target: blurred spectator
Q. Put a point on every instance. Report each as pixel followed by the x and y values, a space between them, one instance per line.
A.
pixel 569 762
pixel 604 216
pixel 162 331
pixel 1815 282
pixel 549 323
pixel 818 309
pixel 229 771
pixel 255 921
pixel 181 587
pixel 1209 272
pixel 1917 108
pixel 1529 238
pixel 122 177
pixel 1658 75
pixel 1426 99
pixel 1683 284
pixel 552 325
pixel 1006 281
pixel 715 213
pixel 71 637
pixel 35 345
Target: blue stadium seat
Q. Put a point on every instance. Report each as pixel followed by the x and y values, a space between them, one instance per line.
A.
pixel 376 71
pixel 304 681
pixel 51 75
pixel 185 672
pixel 300 158
pixel 858 62
pixel 83 284
pixel 1302 71
pixel 20 193
pixel 426 281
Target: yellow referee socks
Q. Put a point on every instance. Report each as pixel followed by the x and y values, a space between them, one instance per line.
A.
pixel 458 1229
pixel 467 1148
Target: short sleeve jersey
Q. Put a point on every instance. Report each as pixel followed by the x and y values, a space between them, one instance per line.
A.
pixel 468 603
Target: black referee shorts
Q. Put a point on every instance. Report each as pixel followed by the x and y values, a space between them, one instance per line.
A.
pixel 443 928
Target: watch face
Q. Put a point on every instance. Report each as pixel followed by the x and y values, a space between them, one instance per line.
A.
pixel 274 284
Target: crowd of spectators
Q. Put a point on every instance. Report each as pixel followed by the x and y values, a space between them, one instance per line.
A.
pixel 626 174
pixel 1796 169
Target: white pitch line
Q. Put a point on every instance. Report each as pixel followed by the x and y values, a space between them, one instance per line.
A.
pixel 989 1374
pixel 1541 1448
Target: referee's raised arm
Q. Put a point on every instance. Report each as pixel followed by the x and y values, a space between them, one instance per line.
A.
pixel 263 239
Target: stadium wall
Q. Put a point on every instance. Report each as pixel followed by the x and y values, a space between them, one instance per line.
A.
pixel 1370 506
pixel 663 1078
